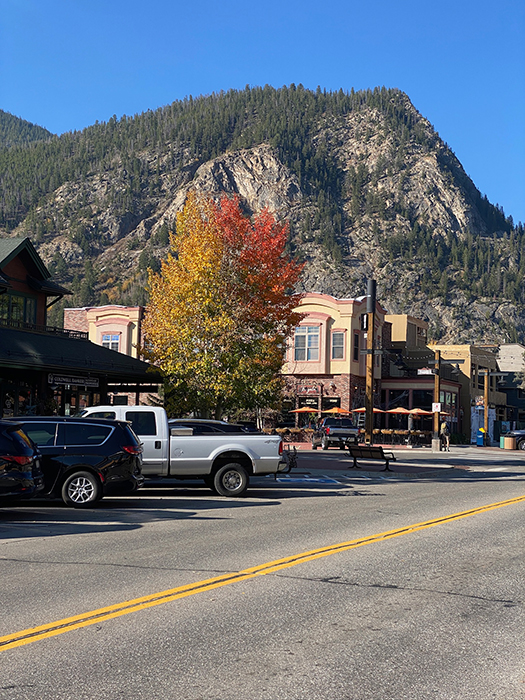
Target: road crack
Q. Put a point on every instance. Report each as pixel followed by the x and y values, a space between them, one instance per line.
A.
pixel 337 580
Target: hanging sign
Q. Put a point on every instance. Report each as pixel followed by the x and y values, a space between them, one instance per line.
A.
pixel 72 379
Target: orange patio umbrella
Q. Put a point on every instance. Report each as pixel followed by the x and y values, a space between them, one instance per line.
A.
pixel 304 409
pixel 420 412
pixel 399 410
pixel 336 409
pixel 363 410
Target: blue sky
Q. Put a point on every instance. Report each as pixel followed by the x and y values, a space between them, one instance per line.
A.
pixel 66 64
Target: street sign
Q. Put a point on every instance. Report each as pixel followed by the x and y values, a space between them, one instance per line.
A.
pixel 436 408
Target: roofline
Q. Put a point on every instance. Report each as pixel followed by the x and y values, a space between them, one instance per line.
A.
pixel 26 244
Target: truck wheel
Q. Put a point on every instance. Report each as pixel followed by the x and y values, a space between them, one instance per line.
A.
pixel 230 480
pixel 324 444
pixel 81 490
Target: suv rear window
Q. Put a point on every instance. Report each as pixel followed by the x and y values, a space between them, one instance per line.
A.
pixel 84 433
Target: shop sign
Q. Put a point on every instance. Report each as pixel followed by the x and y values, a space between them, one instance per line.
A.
pixel 72 379
pixel 426 370
pixel 308 390
pixel 309 402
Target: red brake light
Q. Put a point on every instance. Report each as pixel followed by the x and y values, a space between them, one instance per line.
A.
pixel 133 449
pixel 22 460
pixel 327 431
pixel 281 447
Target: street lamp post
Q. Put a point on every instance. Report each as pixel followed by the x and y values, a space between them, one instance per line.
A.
pixel 370 331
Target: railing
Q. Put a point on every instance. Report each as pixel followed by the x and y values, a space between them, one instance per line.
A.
pixel 36 328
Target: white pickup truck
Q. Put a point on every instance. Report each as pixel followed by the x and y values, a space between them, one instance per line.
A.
pixel 189 448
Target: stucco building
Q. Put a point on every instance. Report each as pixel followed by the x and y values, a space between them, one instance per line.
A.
pixel 117 328
pixel 325 360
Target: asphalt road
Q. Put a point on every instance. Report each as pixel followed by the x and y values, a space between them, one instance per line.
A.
pixel 329 584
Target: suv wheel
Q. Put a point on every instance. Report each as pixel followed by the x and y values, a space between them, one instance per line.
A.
pixel 521 445
pixel 230 480
pixel 81 490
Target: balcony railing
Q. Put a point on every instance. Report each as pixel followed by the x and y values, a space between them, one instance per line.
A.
pixel 36 328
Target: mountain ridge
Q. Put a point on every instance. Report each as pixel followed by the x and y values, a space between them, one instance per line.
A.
pixel 366 183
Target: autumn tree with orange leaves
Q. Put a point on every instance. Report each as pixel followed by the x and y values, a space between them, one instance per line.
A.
pixel 222 307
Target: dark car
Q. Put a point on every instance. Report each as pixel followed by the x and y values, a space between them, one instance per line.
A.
pixel 202 426
pixel 334 431
pixel 85 459
pixel 20 472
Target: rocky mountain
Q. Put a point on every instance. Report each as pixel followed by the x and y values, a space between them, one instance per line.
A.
pixel 369 189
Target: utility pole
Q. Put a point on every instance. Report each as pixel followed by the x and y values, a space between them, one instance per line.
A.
pixel 486 373
pixel 370 331
pixel 436 442
pixel 486 403
pixel 437 362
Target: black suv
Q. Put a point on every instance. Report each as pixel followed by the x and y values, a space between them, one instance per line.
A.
pixel 85 459
pixel 20 473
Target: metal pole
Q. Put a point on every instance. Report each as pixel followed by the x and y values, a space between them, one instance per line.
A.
pixel 369 396
pixel 486 407
pixel 436 443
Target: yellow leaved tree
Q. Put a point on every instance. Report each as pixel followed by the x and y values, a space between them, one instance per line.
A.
pixel 221 308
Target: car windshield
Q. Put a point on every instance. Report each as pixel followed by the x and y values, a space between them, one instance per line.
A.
pixel 340 422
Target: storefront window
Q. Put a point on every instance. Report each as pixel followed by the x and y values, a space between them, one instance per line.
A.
pixel 25 400
pixel 8 400
pixel 4 306
pixel 422 399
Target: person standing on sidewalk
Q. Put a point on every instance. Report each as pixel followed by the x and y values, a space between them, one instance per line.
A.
pixel 444 434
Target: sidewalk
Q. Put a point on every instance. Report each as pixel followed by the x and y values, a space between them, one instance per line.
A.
pixel 418 462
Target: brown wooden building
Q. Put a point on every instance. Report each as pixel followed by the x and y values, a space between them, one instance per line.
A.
pixel 45 369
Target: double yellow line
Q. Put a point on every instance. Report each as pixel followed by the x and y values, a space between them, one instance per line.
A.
pixel 94 617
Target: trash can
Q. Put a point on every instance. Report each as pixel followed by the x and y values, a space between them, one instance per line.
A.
pixel 502 442
pixel 509 443
pixel 480 438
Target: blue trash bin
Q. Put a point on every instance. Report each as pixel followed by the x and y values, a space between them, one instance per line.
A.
pixel 480 438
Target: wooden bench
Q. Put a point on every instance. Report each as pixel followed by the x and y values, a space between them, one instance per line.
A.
pixel 368 452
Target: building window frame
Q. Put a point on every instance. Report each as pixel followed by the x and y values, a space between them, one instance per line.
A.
pixel 111 341
pixel 306 343
pixel 338 345
pixel 27 303
pixel 356 346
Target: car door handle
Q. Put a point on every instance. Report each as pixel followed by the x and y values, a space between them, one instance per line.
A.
pixel 157 444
